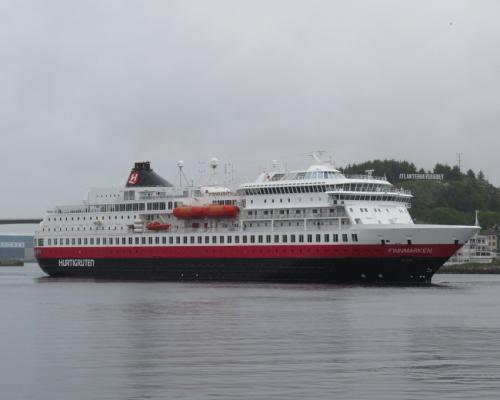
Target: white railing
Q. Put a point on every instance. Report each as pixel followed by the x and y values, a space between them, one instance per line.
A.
pixel 377 178
pixel 372 193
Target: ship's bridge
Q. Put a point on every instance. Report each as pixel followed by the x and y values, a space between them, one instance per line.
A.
pixel 322 178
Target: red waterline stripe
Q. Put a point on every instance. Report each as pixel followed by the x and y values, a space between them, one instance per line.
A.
pixel 254 251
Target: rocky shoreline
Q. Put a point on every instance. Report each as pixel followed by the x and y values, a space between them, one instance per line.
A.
pixel 493 268
pixel 11 263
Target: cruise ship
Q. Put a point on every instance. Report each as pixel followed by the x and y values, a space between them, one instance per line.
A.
pixel 309 225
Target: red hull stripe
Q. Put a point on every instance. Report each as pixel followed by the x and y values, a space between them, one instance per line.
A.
pixel 254 251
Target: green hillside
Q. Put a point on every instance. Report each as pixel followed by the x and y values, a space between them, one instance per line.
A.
pixel 450 201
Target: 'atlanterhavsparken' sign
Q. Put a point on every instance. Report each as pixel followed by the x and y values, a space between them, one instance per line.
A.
pixel 421 177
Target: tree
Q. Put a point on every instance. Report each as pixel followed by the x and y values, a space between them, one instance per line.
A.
pixel 443 169
pixel 471 174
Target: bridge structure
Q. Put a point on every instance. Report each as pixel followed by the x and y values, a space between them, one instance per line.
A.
pixel 16 221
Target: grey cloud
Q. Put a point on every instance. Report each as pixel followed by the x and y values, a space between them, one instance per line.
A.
pixel 89 87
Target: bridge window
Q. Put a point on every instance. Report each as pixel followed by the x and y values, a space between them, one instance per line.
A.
pixel 354 237
pixel 344 237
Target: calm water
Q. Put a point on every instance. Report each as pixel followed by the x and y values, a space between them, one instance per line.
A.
pixel 67 339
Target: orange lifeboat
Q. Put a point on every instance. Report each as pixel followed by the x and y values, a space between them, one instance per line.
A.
pixel 212 211
pixel 157 226
pixel 216 211
pixel 189 212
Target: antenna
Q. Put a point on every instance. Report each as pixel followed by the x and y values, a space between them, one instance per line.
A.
pixel 370 172
pixel 316 154
pixel 180 165
pixel 228 174
pixel 459 160
pixel 214 163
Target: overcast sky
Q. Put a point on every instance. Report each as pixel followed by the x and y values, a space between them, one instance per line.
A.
pixel 89 87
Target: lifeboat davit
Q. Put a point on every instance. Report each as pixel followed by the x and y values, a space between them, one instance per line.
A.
pixel 212 211
pixel 157 226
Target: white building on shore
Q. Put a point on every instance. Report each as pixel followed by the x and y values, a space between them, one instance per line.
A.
pixel 480 249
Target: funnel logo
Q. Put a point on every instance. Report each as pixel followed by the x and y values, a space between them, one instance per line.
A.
pixel 133 178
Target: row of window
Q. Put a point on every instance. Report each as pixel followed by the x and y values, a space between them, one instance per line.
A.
pixel 306 175
pixel 360 197
pixel 96 218
pixel 150 206
pixel 287 212
pixel 221 239
pixel 285 190
pixel 347 187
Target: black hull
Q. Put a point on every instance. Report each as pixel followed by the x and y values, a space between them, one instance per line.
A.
pixel 392 271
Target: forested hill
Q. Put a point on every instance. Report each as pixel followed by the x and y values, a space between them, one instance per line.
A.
pixel 450 201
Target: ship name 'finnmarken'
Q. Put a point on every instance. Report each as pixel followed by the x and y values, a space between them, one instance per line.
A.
pixel 406 250
pixel 77 262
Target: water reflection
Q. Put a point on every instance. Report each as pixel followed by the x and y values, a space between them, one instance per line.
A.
pixel 85 339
